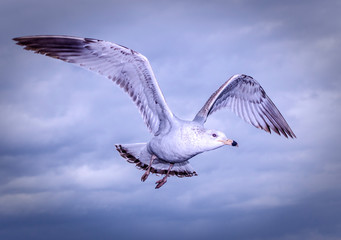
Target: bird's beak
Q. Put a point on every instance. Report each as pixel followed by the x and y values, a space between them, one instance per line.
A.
pixel 229 142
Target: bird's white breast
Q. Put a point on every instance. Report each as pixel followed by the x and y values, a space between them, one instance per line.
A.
pixel 178 145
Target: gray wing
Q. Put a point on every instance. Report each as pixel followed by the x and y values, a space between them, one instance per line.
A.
pixel 246 98
pixel 127 68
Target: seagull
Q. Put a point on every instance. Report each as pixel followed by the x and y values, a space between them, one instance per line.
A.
pixel 174 141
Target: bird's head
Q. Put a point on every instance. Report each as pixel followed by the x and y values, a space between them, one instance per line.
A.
pixel 215 139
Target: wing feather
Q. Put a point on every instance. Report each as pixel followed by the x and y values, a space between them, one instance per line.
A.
pixel 127 68
pixel 248 100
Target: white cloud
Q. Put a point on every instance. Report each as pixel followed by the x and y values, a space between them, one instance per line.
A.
pixel 97 186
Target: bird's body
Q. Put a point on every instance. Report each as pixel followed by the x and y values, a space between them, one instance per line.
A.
pixel 183 141
pixel 174 140
pixel 177 144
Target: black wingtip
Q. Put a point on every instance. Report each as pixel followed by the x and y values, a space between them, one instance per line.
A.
pixel 20 39
pixel 17 40
pixel 292 134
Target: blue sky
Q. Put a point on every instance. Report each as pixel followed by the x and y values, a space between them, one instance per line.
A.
pixel 60 176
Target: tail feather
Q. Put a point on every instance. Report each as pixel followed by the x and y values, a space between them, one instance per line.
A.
pixel 138 154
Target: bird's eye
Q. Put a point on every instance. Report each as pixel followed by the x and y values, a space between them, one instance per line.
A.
pixel 214 135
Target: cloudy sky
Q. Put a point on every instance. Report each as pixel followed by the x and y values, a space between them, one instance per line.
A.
pixel 60 177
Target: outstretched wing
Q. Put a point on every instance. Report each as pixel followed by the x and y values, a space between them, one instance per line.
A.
pixel 246 98
pixel 127 68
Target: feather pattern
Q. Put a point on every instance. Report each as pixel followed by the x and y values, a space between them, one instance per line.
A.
pixel 126 67
pixel 248 100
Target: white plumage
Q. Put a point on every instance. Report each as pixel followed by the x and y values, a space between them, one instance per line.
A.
pixel 174 140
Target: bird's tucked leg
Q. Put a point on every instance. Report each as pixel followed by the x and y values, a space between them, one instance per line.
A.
pixel 146 174
pixel 164 179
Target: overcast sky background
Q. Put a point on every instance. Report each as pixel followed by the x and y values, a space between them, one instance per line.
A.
pixel 60 177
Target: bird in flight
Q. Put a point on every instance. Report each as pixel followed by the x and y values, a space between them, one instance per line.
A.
pixel 174 141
